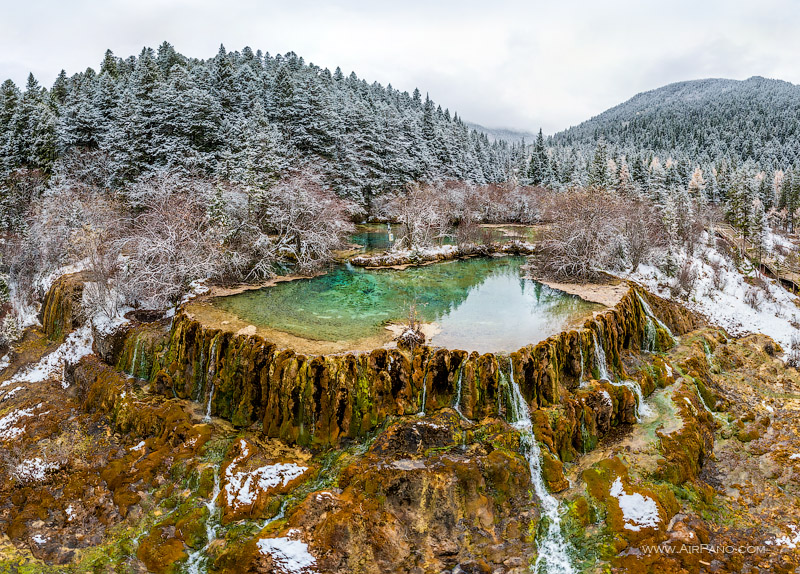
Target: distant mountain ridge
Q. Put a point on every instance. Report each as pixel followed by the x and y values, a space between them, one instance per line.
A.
pixel 756 119
pixel 503 134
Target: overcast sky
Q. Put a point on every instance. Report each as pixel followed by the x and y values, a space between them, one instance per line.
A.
pixel 517 64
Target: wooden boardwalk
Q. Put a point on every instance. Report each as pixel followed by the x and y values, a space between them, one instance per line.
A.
pixel 788 275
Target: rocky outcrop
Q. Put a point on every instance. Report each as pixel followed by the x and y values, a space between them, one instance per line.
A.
pixel 441 253
pixel 322 401
pixel 61 310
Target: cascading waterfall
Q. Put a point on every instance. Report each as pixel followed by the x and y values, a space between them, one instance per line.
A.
pixel 649 342
pixel 600 360
pixel 642 408
pixel 135 354
pixel 553 555
pixel 197 559
pixel 714 414
pixel 580 379
pixel 424 393
pixel 210 377
pixel 457 403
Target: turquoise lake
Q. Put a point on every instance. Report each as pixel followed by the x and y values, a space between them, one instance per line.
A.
pixel 480 304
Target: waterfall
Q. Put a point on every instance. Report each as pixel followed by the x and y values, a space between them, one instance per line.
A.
pixel 600 360
pixel 553 555
pixel 642 409
pixel 197 558
pixel 424 393
pixel 649 342
pixel 457 403
pixel 714 414
pixel 580 379
pixel 210 377
pixel 135 353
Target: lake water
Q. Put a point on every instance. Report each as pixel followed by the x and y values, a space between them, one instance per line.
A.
pixel 480 304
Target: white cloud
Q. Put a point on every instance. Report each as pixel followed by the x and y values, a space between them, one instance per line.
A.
pixel 512 63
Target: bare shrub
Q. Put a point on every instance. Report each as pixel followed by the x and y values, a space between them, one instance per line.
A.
pixel 421 211
pixel 412 335
pixel 793 359
pixel 591 231
pixel 753 297
pixel 718 279
pixel 297 220
pixel 576 247
pixel 685 280
pixel 171 243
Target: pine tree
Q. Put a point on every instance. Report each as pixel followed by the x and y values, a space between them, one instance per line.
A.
pixel 539 164
pixel 598 171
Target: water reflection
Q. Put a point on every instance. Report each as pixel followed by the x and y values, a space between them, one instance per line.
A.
pixel 481 304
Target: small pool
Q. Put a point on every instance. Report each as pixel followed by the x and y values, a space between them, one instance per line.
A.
pixel 480 304
pixel 378 237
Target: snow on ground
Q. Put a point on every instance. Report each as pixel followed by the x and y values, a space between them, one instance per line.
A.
pixel 78 344
pixel 243 487
pixel 290 555
pixel 795 456
pixel 138 446
pixel 637 510
pixel 44 283
pixel 7 428
pixel 726 307
pixel 39 539
pixel 789 541
pixel 196 288
pixel 7 395
pixel 5 362
pixel 33 470
pixel 70 513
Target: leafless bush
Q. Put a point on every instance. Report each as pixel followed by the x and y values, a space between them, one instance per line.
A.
pixel 422 213
pixel 591 231
pixel 685 280
pixel 412 335
pixel 718 279
pixel 171 241
pixel 640 230
pixel 793 359
pixel 753 297
pixel 298 221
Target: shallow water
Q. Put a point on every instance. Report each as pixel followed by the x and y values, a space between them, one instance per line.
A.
pixel 481 304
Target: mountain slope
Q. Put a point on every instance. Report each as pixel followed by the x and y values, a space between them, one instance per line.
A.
pixel 503 134
pixel 705 120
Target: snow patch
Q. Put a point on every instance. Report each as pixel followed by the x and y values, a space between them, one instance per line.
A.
pixel 70 513
pixel 139 446
pixel 243 487
pixel 726 307
pixel 790 541
pixel 33 470
pixel 5 362
pixel 39 539
pixel 795 456
pixel 11 393
pixel 78 344
pixel 637 510
pixel 7 428
pixel 290 555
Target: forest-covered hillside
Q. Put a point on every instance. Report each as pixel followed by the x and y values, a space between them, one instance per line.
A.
pixel 755 119
pixel 242 116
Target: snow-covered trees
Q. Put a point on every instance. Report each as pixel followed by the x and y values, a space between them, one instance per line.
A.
pixel 245 117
